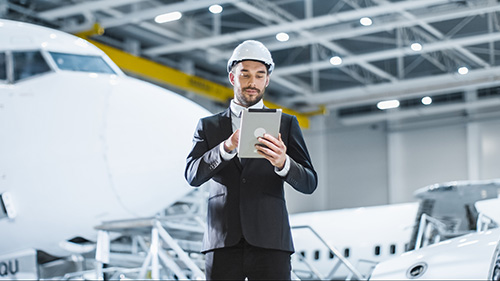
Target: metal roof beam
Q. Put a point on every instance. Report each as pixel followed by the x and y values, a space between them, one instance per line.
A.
pixel 392 53
pixel 326 43
pixel 128 18
pixel 80 8
pixel 419 112
pixel 441 36
pixel 381 27
pixel 287 26
pixel 438 84
pixel 151 13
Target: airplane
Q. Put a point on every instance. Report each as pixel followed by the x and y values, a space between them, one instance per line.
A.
pixel 80 143
pixel 326 241
pixel 474 256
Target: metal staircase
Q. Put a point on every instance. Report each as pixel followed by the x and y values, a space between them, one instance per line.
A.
pixel 163 247
pixel 337 267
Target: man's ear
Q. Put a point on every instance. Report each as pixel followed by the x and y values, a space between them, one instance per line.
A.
pixel 268 80
pixel 231 78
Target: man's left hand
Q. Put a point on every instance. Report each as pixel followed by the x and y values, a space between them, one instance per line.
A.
pixel 273 149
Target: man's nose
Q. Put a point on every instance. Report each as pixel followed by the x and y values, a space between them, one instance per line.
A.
pixel 251 82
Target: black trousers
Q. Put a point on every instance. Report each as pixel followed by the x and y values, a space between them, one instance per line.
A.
pixel 246 261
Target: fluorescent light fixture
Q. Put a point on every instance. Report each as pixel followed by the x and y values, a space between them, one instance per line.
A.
pixel 463 70
pixel 416 47
pixel 388 104
pixel 365 21
pixel 215 9
pixel 336 60
pixel 168 17
pixel 282 37
pixel 426 100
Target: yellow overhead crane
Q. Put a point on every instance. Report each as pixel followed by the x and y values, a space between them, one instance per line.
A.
pixel 154 71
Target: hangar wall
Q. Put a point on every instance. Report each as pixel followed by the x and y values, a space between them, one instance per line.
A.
pixel 490 150
pixel 357 158
pixel 424 156
pixel 385 163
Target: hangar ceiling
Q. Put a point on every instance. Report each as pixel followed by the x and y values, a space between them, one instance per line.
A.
pixel 332 59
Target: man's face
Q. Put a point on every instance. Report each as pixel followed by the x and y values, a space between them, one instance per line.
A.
pixel 250 80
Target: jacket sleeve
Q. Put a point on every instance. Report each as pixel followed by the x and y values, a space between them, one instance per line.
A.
pixel 204 161
pixel 301 175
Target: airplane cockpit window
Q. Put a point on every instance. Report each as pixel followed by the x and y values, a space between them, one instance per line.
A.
pixel 28 63
pixel 3 67
pixel 81 63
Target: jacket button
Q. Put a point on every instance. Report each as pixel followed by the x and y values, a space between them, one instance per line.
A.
pixel 244 180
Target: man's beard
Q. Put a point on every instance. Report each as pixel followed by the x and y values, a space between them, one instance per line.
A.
pixel 245 101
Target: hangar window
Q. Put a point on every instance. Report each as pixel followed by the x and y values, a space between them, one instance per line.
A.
pixel 3 66
pixel 28 64
pixel 82 63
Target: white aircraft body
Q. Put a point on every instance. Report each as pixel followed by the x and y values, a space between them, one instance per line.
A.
pixel 474 256
pixel 81 142
pixel 364 236
pixel 367 236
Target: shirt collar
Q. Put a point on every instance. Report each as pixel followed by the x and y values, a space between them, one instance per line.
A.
pixel 236 109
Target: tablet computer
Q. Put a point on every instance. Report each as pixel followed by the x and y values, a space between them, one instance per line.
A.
pixel 255 123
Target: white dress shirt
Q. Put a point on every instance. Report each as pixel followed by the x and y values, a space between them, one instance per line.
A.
pixel 236 110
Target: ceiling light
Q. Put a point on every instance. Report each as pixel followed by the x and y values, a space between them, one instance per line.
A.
pixel 388 104
pixel 215 9
pixel 336 60
pixel 463 70
pixel 426 100
pixel 366 21
pixel 282 37
pixel 168 17
pixel 416 47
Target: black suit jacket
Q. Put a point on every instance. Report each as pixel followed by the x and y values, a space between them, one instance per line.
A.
pixel 247 199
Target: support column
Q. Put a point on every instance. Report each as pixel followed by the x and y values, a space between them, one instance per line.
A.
pixel 394 173
pixel 473 140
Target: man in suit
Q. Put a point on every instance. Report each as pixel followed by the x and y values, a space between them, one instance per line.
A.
pixel 248 233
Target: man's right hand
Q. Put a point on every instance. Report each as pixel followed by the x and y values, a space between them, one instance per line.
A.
pixel 232 142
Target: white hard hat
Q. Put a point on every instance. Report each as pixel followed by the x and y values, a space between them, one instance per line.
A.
pixel 251 50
